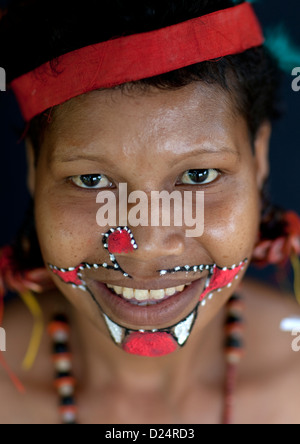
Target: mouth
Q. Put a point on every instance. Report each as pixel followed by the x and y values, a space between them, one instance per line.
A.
pixel 144 298
pixel 148 309
pixel 142 316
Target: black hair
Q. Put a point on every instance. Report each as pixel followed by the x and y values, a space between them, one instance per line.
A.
pixel 36 31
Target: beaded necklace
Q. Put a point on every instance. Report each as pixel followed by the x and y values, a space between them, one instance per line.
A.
pixel 64 383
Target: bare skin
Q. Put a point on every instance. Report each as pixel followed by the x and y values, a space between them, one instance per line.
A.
pixel 267 393
pixel 149 141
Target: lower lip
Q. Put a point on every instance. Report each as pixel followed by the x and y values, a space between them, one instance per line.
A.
pixel 162 315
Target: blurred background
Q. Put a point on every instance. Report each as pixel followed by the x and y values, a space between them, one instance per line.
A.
pixel 285 152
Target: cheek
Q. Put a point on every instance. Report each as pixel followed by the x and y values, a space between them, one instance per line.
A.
pixel 232 223
pixel 67 230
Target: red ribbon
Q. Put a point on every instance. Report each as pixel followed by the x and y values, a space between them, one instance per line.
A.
pixel 136 57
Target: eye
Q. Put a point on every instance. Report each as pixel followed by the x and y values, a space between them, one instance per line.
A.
pixel 91 181
pixel 200 177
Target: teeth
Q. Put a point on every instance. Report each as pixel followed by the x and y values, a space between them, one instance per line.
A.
pixel 141 295
pixel 156 294
pixel 148 296
pixel 128 293
pixel 170 291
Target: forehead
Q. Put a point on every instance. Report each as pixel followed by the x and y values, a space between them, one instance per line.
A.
pixel 127 117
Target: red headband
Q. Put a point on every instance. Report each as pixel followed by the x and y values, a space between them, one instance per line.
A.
pixel 139 56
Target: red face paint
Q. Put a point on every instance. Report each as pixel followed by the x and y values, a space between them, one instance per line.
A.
pixel 68 276
pixel 150 344
pixel 120 241
pixel 221 278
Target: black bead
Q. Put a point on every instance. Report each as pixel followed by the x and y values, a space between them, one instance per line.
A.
pixel 61 318
pixel 60 348
pixel 235 298
pixel 234 342
pixel 67 401
pixel 234 319
pixel 61 375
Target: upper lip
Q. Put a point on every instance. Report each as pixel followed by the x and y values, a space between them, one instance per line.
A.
pixel 151 284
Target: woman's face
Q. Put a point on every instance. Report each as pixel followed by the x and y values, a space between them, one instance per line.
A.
pixel 191 139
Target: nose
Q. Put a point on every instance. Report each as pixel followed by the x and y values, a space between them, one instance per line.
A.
pixel 158 243
pixel 156 248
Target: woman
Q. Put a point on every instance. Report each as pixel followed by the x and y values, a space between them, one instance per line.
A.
pixel 166 98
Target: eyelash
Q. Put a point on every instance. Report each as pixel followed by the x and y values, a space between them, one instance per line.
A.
pixel 179 182
pixel 72 180
pixel 201 172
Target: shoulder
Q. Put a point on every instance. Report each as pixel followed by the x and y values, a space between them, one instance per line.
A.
pixel 272 365
pixel 24 407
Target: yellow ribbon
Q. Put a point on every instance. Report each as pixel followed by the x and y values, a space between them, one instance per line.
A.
pixel 37 333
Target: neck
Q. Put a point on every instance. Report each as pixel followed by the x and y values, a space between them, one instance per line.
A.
pixel 102 362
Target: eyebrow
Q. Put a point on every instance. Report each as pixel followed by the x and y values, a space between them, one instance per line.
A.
pixel 201 151
pixel 74 157
pixel 65 158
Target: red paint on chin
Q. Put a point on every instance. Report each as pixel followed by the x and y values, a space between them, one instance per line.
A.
pixel 220 279
pixel 120 242
pixel 150 344
pixel 69 277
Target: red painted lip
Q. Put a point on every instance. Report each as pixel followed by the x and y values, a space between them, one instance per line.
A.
pixel 165 314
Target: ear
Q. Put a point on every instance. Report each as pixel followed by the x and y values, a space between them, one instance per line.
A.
pixel 31 167
pixel 261 152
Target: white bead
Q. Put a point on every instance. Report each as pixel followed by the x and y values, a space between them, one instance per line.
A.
pixel 69 417
pixel 66 390
pixel 63 365
pixel 61 336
